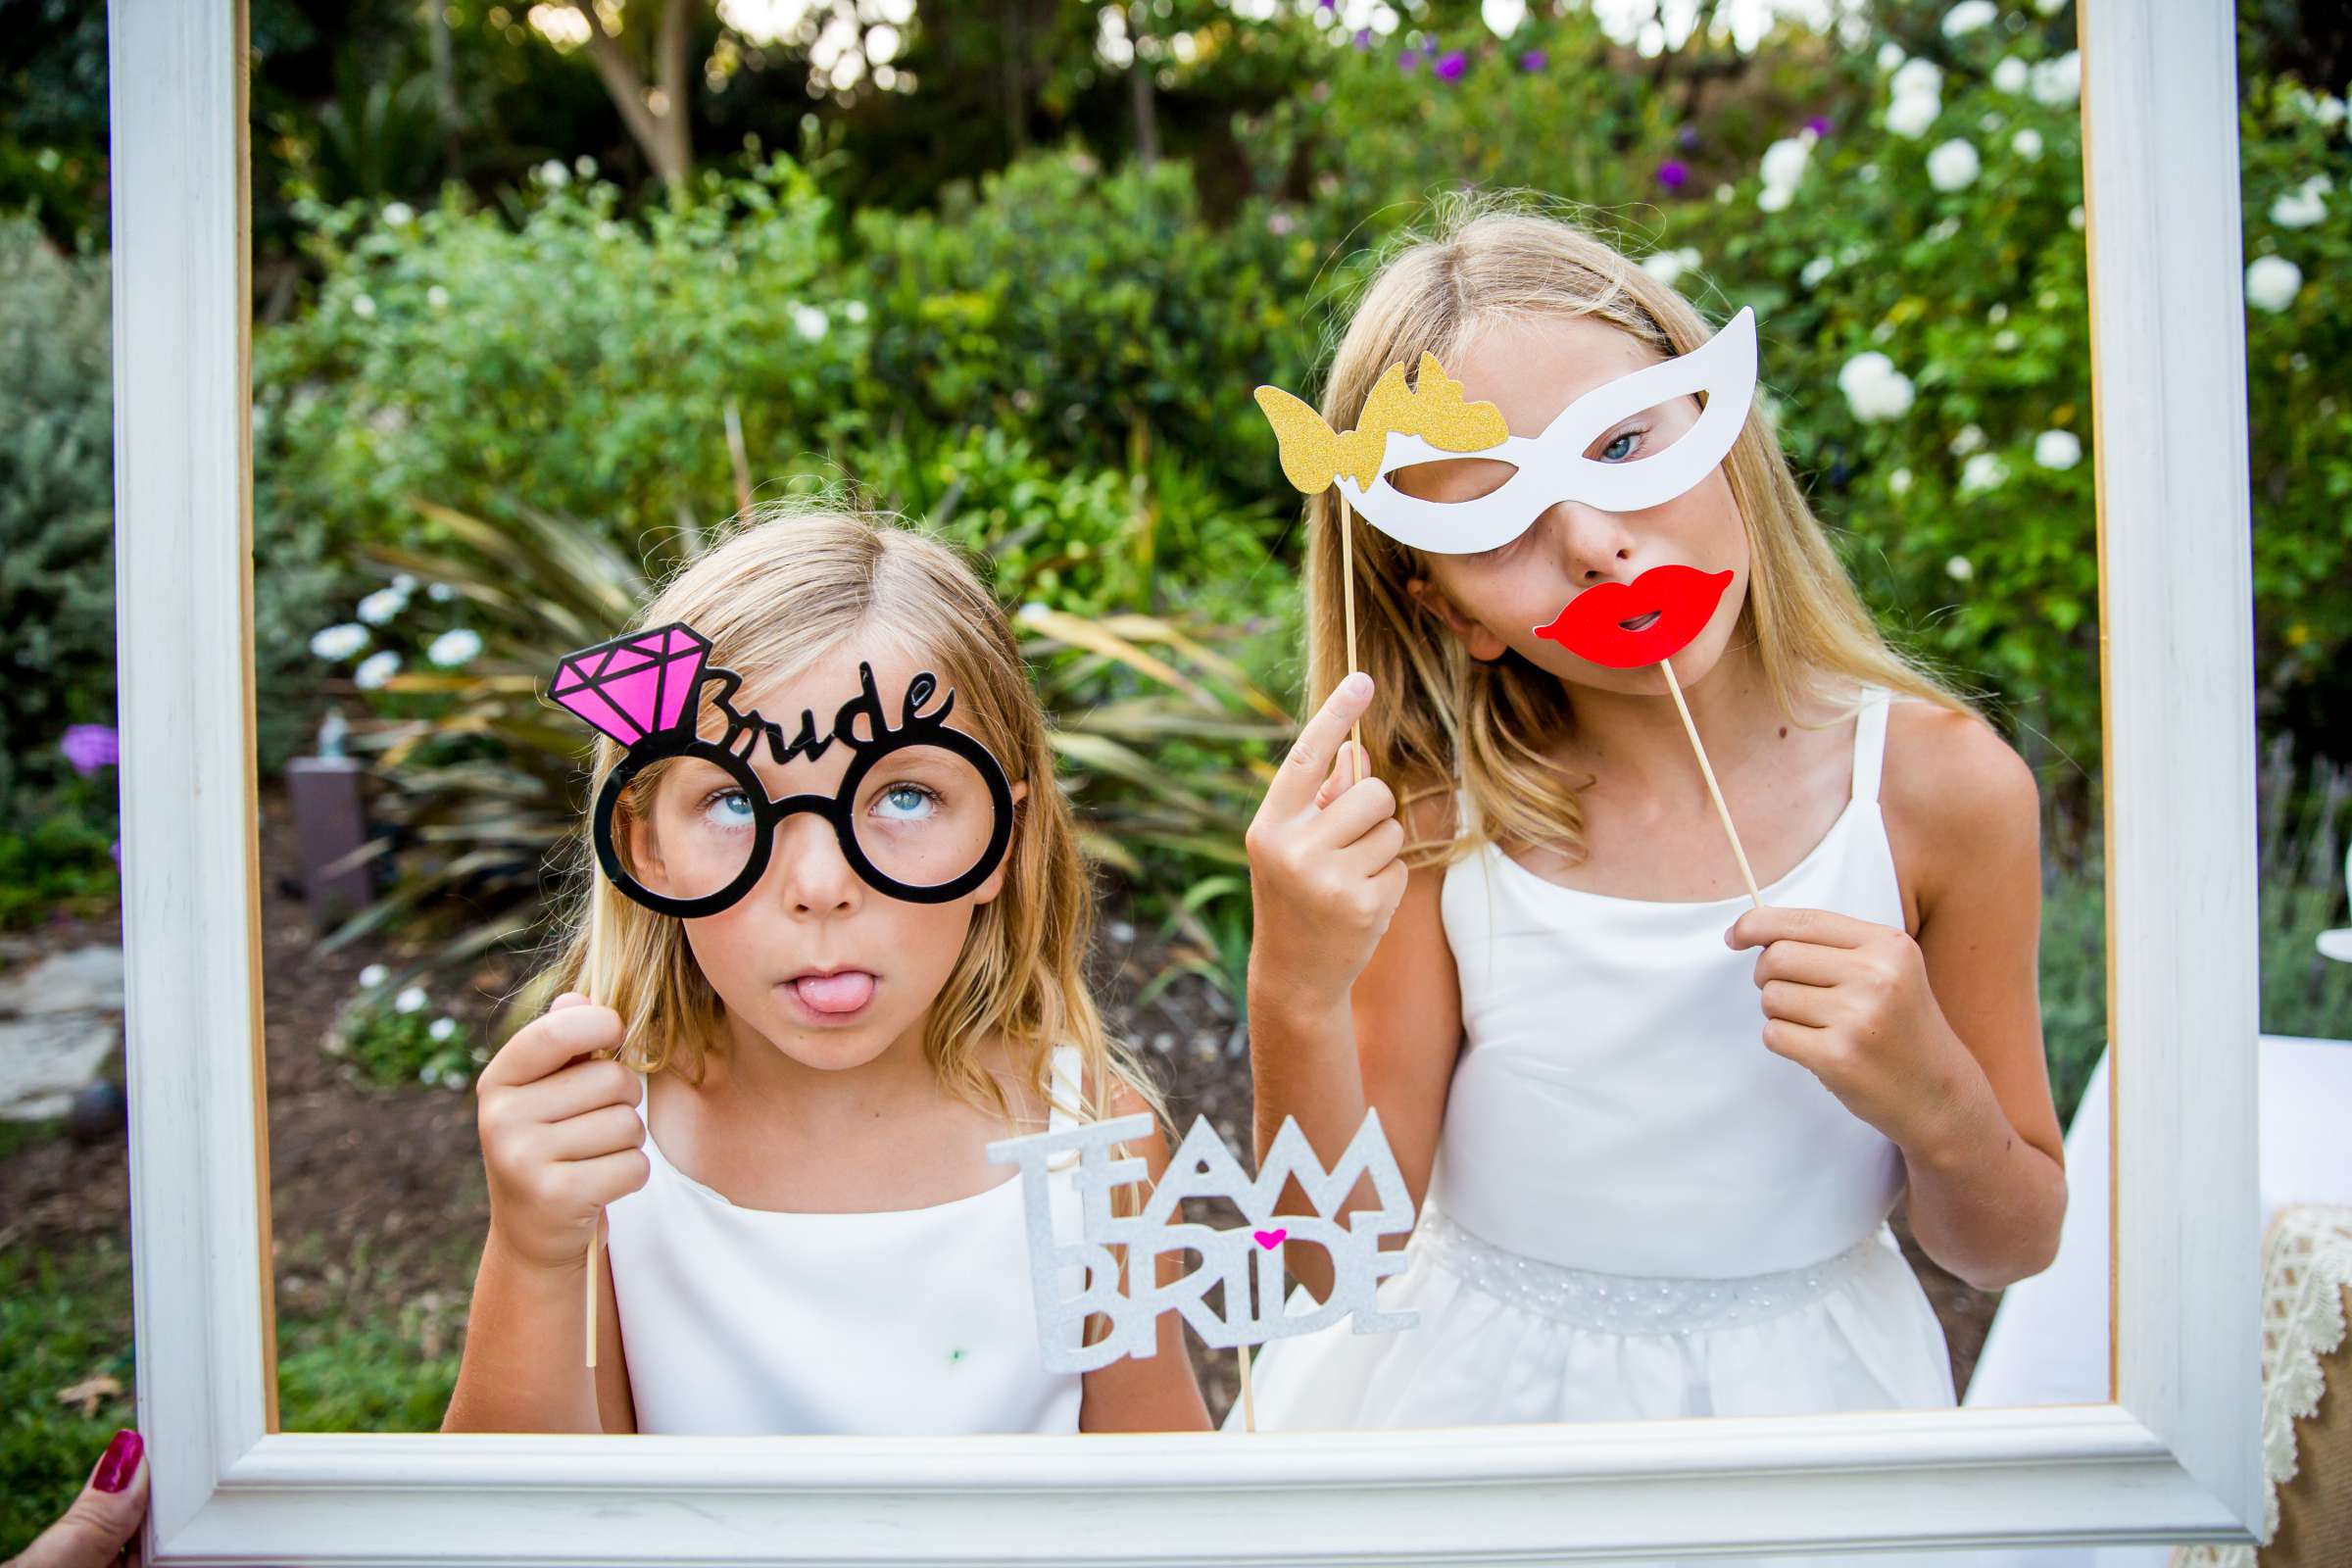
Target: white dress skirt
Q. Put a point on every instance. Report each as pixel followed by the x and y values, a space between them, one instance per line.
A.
pixel 1637 1210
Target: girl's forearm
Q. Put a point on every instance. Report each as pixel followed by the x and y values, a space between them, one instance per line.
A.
pixel 523 1369
pixel 1303 1062
pixel 1985 1203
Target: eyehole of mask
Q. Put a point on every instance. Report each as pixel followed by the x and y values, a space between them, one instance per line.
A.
pixel 1453 479
pixel 1646 434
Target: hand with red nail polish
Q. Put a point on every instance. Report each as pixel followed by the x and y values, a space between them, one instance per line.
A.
pixel 104 1519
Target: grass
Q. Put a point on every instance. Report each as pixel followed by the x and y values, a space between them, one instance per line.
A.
pixel 65 1320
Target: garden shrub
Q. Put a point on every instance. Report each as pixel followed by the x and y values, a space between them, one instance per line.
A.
pixel 57 565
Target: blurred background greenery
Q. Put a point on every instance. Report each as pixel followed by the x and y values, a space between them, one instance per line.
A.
pixel 545 292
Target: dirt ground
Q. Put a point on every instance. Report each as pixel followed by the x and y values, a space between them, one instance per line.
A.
pixel 378 1194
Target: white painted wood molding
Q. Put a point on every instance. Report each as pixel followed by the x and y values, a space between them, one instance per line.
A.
pixel 2175 1457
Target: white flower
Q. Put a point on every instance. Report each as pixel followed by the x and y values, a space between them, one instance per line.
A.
pixel 1983 472
pixel 1874 388
pixel 585 165
pixel 376 974
pixel 2049 8
pixel 2059 82
pixel 382 605
pixel 2301 207
pixel 428 1074
pixel 1969 16
pixel 2273 282
pixel 1997 311
pixel 1968 438
pixel 854 310
pixel 1891 56
pixel 1953 166
pixel 339 642
pixel 399 214
pixel 2011 75
pixel 375 669
pixel 553 175
pixel 1912 113
pixel 2058 449
pixel 1819 267
pixel 442 1028
pixel 1785 161
pixel 405 582
pixel 2004 340
pixel 1942 229
pixel 411 999
pixel 455 647
pixel 440 593
pixel 362 307
pixel 1502 16
pixel 454 1079
pixel 1772 198
pixel 2328 109
pixel 1918 79
pixel 808 321
pixel 1668 266
pixel 437 297
pixel 2026 143
pixel 1990 121
pixel 1724 194
pixel 1898 483
pixel 1959 568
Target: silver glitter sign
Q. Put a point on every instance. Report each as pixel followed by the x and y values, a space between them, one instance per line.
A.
pixel 1247 1261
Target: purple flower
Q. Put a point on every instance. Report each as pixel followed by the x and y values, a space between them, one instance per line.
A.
pixel 1674 173
pixel 1409 61
pixel 1686 138
pixel 1363 38
pixel 1819 124
pixel 91 747
pixel 1450 67
pixel 1534 60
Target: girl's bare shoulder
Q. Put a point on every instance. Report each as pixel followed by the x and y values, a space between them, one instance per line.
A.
pixel 1959 799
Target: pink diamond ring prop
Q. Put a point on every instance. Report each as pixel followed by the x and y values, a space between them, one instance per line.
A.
pixel 636 684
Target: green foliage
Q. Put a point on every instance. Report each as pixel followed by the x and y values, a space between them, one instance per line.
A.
pixel 58 858
pixel 1098 316
pixel 390 1041
pixel 65 1321
pixel 57 582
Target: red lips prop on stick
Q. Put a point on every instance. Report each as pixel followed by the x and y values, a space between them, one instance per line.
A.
pixel 1625 625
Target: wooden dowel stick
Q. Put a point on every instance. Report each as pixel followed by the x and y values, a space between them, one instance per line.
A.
pixel 1356 732
pixel 596 1244
pixel 1248 1404
pixel 1707 771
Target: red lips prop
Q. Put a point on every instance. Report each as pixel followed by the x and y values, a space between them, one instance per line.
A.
pixel 1625 625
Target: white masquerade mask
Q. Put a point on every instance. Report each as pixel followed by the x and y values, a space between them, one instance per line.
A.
pixel 1547 468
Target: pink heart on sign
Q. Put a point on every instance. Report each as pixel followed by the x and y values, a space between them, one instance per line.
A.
pixel 1270 1239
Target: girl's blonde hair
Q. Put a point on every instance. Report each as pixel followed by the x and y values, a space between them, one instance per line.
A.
pixel 785 589
pixel 1444 718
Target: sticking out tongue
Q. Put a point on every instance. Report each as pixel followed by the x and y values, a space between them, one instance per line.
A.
pixel 845 991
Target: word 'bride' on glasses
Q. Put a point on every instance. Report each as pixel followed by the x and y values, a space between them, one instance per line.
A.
pixel 924 813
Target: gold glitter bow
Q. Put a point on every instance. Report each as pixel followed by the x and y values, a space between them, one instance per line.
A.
pixel 1313 454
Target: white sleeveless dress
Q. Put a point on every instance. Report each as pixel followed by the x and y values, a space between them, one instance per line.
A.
pixel 908 1321
pixel 1637 1209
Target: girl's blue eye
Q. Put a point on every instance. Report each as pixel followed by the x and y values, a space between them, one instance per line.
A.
pixel 1621 447
pixel 906 802
pixel 728 808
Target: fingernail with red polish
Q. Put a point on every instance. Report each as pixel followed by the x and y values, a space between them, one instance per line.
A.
pixel 120 1461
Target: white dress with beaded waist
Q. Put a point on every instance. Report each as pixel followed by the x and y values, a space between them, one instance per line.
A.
pixel 1637 1209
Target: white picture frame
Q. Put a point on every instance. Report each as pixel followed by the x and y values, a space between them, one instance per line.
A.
pixel 2174 1456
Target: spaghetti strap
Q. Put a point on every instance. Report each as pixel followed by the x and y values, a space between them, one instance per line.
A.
pixel 1065 1090
pixel 1870 742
